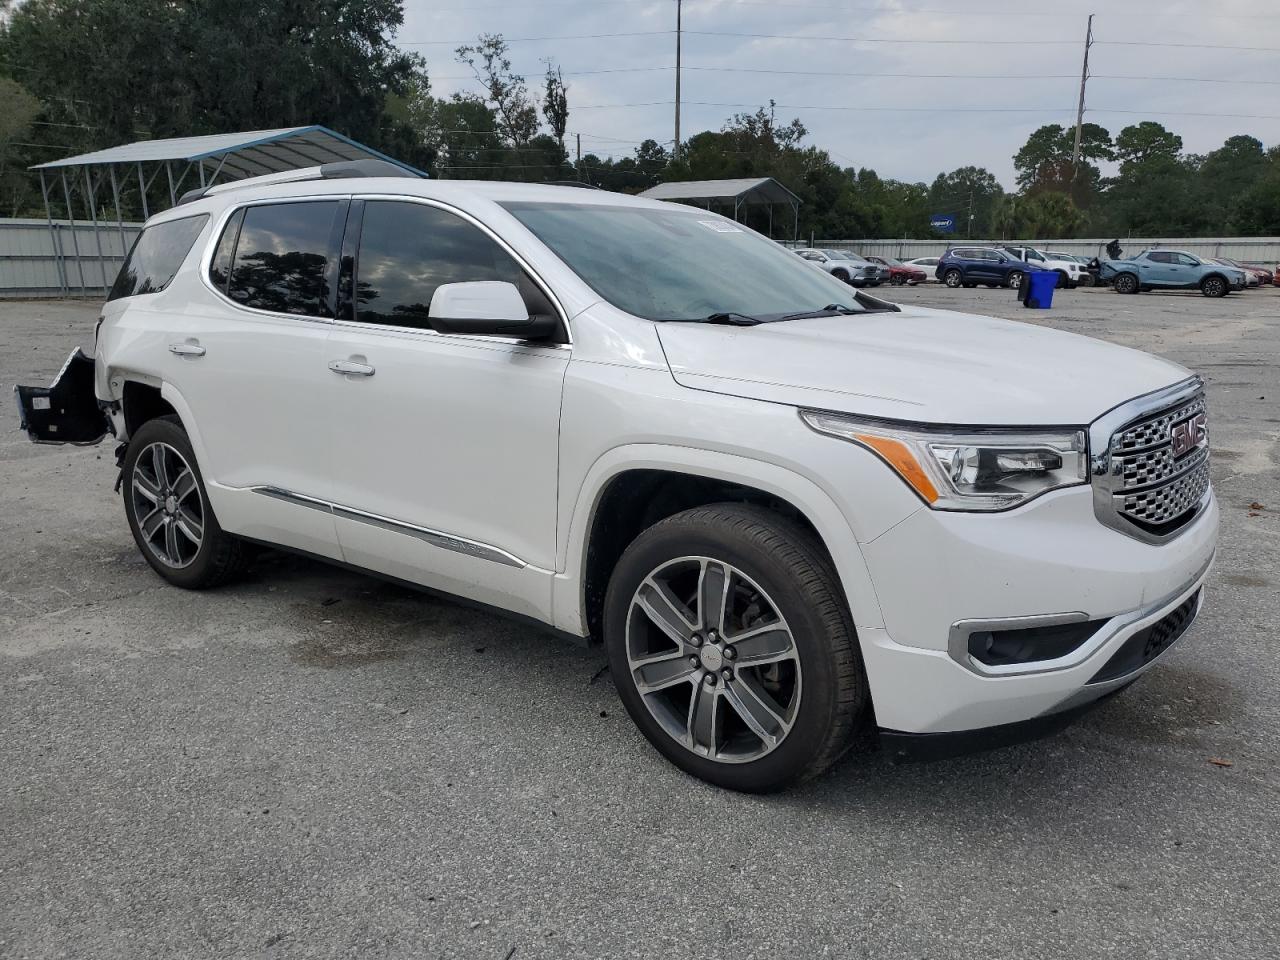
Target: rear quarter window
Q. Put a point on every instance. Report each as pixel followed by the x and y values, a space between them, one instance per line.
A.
pixel 156 256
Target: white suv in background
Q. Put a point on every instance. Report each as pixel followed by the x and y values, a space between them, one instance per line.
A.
pixel 1070 273
pixel 793 513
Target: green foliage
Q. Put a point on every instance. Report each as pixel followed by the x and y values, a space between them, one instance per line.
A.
pixel 18 110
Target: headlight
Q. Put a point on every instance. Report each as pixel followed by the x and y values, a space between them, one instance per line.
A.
pixel 992 469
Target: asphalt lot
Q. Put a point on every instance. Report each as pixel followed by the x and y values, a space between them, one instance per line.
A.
pixel 313 763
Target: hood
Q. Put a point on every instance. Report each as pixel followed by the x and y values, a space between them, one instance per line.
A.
pixel 930 366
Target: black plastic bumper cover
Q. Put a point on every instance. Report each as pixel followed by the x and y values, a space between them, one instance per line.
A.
pixel 67 411
pixel 900 746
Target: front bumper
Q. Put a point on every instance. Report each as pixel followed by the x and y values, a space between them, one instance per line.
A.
pixel 935 572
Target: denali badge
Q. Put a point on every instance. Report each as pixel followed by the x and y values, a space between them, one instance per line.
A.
pixel 1187 435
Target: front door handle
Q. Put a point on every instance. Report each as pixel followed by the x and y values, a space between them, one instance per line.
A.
pixel 187 349
pixel 352 367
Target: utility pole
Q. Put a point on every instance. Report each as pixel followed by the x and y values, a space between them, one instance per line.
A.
pixel 675 148
pixel 1084 77
pixel 579 163
pixel 968 230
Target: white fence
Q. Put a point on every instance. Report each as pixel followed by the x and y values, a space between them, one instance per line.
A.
pixel 36 261
pixel 1264 250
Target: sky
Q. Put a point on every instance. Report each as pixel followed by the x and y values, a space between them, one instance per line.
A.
pixel 990 73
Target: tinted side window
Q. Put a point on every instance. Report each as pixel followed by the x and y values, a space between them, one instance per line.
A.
pixel 282 258
pixel 1158 257
pixel 156 257
pixel 1187 261
pixel 220 265
pixel 409 249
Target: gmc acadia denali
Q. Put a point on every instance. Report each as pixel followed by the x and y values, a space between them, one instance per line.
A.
pixel 794 514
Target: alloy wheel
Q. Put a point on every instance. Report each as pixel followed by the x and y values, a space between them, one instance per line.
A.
pixel 167 505
pixel 713 659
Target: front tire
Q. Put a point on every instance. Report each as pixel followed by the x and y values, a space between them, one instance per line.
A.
pixel 1214 287
pixel 732 648
pixel 1016 279
pixel 169 512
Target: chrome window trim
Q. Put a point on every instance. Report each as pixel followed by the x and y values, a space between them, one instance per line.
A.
pixel 496 238
pixel 437 538
pixel 1105 472
pixel 211 248
pixel 958 636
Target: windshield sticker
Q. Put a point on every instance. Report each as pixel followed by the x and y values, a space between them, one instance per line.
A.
pixel 719 226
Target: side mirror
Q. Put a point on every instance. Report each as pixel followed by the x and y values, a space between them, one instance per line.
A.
pixel 487 308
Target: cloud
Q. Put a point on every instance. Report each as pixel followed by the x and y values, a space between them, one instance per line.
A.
pixel 923 120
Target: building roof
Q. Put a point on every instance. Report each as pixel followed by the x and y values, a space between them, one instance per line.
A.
pixel 250 153
pixel 749 189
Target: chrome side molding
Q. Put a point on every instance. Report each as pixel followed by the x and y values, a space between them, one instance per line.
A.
pixel 445 541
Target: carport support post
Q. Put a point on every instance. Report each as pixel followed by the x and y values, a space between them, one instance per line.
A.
pixel 75 241
pixel 173 196
pixel 53 238
pixel 90 193
pixel 142 189
pixel 115 199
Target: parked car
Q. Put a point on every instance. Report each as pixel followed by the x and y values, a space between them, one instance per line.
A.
pixel 970 266
pixel 1255 276
pixel 1085 277
pixel 899 272
pixel 846 266
pixel 1266 275
pixel 647 425
pixel 1250 277
pixel 1069 270
pixel 928 264
pixel 1171 270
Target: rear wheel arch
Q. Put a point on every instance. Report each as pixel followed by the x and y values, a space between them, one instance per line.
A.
pixel 142 401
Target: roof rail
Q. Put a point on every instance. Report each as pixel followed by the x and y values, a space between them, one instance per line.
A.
pixel 342 170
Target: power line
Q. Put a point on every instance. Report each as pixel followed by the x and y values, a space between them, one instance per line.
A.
pixel 569 36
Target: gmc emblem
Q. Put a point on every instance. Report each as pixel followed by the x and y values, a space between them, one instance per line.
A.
pixel 1187 435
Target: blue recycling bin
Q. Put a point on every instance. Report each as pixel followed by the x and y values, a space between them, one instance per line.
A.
pixel 1037 289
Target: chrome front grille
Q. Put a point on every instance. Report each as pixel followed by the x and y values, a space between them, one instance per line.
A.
pixel 1150 462
pixel 1155 431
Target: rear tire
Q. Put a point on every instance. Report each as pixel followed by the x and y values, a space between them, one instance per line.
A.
pixel 953 278
pixel 785 716
pixel 169 512
pixel 1125 283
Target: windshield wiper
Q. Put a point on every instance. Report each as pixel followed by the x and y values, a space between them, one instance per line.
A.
pixel 830 310
pixel 734 319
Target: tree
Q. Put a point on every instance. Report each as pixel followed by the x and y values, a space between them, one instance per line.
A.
pixel 1145 141
pixel 18 110
pixel 968 190
pixel 1045 160
pixel 1234 167
pixel 506 91
pixel 555 103
pixel 112 71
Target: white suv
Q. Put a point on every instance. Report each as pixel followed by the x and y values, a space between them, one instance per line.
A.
pixel 1070 272
pixel 793 513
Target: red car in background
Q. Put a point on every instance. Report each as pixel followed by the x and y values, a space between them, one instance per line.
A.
pixel 899 272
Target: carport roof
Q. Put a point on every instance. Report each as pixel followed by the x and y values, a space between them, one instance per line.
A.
pixel 747 189
pixel 249 153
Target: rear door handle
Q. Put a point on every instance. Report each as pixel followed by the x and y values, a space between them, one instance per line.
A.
pixel 352 367
pixel 187 349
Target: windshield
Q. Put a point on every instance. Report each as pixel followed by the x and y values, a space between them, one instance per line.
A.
pixel 673 264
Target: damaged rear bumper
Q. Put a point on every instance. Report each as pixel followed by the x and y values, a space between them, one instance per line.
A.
pixel 68 411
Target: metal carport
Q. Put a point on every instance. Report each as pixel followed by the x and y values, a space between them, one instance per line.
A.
pixel 748 191
pixel 131 172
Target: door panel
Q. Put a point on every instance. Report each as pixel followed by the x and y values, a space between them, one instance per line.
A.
pixel 256 380
pixel 445 449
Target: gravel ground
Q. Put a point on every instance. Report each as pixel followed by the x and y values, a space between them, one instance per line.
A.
pixel 315 764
